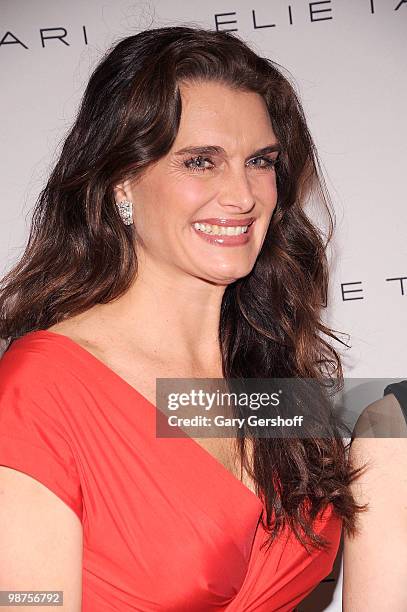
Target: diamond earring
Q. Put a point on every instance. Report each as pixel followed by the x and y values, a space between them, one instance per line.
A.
pixel 125 211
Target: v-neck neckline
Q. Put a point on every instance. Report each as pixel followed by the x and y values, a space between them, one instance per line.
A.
pixel 99 363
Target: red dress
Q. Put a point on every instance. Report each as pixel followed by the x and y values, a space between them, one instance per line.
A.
pixel 165 525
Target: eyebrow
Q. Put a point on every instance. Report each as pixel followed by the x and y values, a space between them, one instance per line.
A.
pixel 216 150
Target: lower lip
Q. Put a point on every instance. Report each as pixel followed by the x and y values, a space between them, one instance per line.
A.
pixel 226 240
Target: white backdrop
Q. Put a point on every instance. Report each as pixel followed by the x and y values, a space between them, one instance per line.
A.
pixel 347 59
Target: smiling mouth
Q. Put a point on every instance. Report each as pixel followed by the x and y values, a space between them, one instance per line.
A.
pixel 226 235
pixel 225 228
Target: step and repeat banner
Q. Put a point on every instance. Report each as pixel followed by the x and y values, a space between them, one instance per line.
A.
pixel 347 61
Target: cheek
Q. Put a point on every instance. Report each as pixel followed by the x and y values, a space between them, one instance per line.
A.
pixel 267 192
pixel 168 204
pixel 188 195
pixel 154 203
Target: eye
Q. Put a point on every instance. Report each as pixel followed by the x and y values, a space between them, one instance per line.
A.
pixel 268 164
pixel 196 164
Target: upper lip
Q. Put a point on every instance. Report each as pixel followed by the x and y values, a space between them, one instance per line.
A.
pixel 226 222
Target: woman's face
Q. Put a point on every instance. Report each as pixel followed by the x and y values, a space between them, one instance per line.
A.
pixel 232 183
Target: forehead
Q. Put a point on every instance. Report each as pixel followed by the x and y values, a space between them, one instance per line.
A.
pixel 214 109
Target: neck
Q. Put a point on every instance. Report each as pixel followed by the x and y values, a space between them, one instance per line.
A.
pixel 172 317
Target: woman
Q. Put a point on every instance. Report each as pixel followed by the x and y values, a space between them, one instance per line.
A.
pixel 375 567
pixel 129 276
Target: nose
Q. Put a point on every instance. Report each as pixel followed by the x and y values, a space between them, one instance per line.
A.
pixel 236 192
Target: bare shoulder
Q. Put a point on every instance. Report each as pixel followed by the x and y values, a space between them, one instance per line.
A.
pixel 380 443
pixel 375 557
pixel 99 333
pixel 41 538
pixel 88 329
pixel 382 418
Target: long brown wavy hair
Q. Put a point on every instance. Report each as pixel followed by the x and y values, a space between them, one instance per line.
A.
pixel 79 252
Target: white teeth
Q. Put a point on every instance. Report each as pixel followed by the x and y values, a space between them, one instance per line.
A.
pixel 221 230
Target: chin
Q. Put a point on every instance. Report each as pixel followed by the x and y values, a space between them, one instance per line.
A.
pixel 223 278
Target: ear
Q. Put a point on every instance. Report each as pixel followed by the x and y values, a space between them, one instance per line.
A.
pixel 122 191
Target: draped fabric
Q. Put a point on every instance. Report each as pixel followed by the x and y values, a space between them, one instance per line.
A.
pixel 166 526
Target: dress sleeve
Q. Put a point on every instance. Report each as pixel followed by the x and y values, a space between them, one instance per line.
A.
pixel 33 437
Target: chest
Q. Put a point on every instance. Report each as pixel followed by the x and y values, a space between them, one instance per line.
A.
pixel 165 524
pixel 142 377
